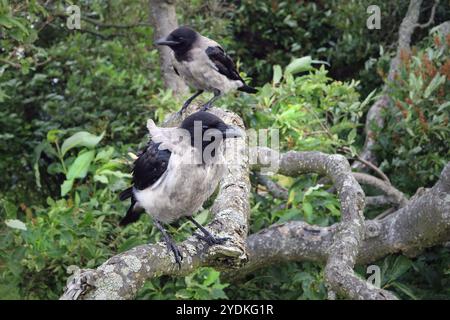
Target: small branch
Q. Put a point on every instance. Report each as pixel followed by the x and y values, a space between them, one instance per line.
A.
pixel 274 188
pixel 385 213
pixel 374 168
pixel 431 20
pixel 115 26
pixel 12 64
pixel 394 195
pixel 378 201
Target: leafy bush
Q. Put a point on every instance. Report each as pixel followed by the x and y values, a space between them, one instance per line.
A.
pixel 414 144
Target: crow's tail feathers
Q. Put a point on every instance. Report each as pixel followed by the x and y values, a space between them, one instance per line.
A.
pixel 133 214
pixel 125 194
pixel 248 89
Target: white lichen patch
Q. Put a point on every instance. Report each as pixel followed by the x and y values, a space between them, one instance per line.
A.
pixel 133 263
pixel 108 287
pixel 107 268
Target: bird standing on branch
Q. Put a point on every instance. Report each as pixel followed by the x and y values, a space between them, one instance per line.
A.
pixel 203 64
pixel 177 172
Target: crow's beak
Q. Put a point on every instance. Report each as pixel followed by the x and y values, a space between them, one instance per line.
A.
pixel 232 132
pixel 164 42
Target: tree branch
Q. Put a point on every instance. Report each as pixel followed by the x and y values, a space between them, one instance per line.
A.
pixel 432 14
pixel 273 188
pixel 424 222
pixel 342 253
pixel 395 196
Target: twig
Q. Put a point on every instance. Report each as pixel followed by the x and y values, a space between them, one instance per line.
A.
pixel 431 20
pixel 385 213
pixel 274 188
pixel 116 26
pixel 394 194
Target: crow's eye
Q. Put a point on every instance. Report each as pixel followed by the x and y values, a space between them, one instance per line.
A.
pixel 204 127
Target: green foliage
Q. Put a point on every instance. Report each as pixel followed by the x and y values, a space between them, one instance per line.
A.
pixel 204 283
pixel 415 140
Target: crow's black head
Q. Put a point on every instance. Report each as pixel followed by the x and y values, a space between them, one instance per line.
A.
pixel 179 40
pixel 204 128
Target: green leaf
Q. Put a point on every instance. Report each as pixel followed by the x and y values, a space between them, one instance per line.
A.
pixel 104 154
pixel 16 224
pixel 277 74
pixel 351 136
pixel 52 135
pixel 6 22
pixel 212 276
pixel 299 65
pixel 308 209
pixel 202 217
pixel 434 84
pixel 405 289
pixel 79 168
pixel 101 178
pixel 81 138
pixel 400 266
pixel 66 187
pixel 443 106
pixel 19 25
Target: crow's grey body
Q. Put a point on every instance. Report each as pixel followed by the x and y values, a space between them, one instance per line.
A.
pixel 199 72
pixel 184 186
pixel 177 172
pixel 203 64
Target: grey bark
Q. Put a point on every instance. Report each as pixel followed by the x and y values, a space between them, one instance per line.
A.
pixel 395 196
pixel 164 20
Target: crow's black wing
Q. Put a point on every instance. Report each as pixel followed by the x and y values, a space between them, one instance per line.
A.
pixel 223 63
pixel 150 166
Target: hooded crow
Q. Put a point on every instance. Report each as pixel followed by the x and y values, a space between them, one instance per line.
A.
pixel 203 64
pixel 177 172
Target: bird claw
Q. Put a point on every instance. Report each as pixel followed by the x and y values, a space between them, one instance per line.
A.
pixel 176 252
pixel 211 240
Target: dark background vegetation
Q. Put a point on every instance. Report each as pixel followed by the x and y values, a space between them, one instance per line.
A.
pixel 105 80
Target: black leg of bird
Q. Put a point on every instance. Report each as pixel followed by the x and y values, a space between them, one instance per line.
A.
pixel 208 237
pixel 188 101
pixel 171 246
pixel 208 105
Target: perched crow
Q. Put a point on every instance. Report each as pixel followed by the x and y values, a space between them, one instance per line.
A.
pixel 177 172
pixel 203 64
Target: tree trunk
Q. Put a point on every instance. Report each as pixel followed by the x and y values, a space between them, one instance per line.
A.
pixel 164 20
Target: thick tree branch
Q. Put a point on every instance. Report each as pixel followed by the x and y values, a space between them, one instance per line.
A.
pixel 424 222
pixel 344 248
